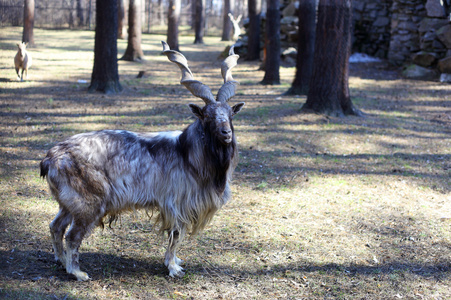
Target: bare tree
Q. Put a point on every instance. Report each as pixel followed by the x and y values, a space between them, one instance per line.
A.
pixel 253 44
pixel 105 76
pixel 28 22
pixel 80 14
pixel 329 87
pixel 134 51
pixel 199 21
pixel 173 24
pixel 121 20
pixel 161 12
pixel 272 44
pixel 227 25
pixel 306 48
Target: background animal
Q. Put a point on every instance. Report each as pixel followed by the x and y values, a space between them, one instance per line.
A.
pixel 22 60
pixel 183 175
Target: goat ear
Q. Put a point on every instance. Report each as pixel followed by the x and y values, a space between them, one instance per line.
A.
pixel 237 108
pixel 196 110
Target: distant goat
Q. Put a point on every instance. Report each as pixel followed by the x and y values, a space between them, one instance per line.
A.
pixel 22 60
pixel 236 26
pixel 184 175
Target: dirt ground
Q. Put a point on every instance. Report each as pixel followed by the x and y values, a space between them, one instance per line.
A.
pixel 323 208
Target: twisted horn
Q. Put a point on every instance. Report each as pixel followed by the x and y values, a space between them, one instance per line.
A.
pixel 196 87
pixel 227 91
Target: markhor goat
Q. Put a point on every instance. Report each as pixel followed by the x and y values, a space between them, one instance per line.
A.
pixel 184 175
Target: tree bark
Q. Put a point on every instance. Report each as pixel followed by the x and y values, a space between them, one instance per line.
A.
pixel 272 44
pixel 173 24
pixel 227 25
pixel 28 22
pixel 134 51
pixel 199 21
pixel 253 44
pixel 105 76
pixel 121 20
pixel 306 48
pixel 329 87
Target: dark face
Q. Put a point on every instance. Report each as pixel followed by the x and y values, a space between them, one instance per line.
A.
pixel 217 117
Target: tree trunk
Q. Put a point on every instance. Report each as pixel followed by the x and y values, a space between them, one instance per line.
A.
pixel 121 20
pixel 306 48
pixel 199 21
pixel 80 14
pixel 329 89
pixel 89 18
pixel 272 44
pixel 134 51
pixel 161 12
pixel 28 22
pixel 105 76
pixel 149 14
pixel 72 13
pixel 173 24
pixel 253 44
pixel 227 25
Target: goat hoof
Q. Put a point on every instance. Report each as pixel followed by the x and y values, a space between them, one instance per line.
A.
pixel 178 261
pixel 179 274
pixel 81 276
pixel 176 272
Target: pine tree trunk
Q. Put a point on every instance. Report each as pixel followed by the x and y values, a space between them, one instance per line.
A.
pixel 329 87
pixel 105 76
pixel 134 51
pixel 306 48
pixel 173 24
pixel 272 44
pixel 227 25
pixel 199 21
pixel 28 22
pixel 253 44
pixel 80 14
pixel 121 20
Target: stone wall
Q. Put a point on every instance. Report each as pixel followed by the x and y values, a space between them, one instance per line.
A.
pixel 411 33
pixel 371 27
pixel 415 33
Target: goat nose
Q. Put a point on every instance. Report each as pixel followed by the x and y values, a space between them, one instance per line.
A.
pixel 226 131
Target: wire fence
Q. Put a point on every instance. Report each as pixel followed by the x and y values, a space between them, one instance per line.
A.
pixel 66 15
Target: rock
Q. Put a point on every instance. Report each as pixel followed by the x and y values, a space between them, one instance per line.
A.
pixel 290 10
pixel 445 77
pixel 407 26
pixel 431 24
pixel 444 35
pixel 435 9
pixel 292 52
pixel 444 65
pixel 417 72
pixel 381 21
pixel 424 59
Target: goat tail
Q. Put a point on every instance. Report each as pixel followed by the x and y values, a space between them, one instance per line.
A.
pixel 44 166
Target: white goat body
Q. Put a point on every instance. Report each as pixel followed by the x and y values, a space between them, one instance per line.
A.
pixel 22 60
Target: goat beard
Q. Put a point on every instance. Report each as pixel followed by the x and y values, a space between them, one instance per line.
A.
pixel 220 158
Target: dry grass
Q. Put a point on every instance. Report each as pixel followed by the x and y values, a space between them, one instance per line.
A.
pixel 324 208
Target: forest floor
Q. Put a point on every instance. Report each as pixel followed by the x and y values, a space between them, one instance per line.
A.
pixel 322 208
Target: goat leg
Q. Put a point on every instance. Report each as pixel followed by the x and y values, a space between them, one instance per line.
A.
pixel 73 241
pixel 171 260
pixel 18 75
pixel 57 229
